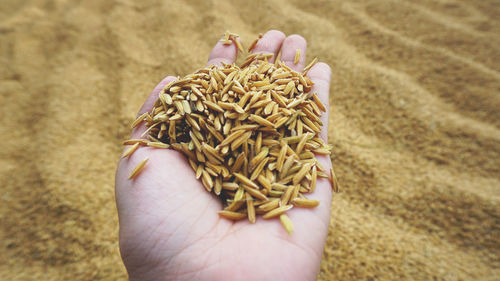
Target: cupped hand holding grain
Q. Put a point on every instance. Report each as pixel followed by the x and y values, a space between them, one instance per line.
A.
pixel 170 228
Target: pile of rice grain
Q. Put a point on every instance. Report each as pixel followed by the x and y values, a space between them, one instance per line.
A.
pixel 250 133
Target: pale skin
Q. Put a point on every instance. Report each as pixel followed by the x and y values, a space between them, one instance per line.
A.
pixel 169 225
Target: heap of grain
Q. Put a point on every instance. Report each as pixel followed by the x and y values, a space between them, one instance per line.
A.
pixel 250 133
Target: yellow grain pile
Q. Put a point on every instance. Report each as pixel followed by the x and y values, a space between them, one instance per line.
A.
pixel 250 133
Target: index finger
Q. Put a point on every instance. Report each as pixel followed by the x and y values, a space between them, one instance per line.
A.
pixel 321 74
pixel 221 52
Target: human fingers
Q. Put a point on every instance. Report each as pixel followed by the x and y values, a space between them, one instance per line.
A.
pixel 321 74
pixel 289 51
pixel 223 53
pixel 148 105
pixel 270 43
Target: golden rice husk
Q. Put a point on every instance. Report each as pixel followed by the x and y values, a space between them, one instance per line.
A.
pixel 250 133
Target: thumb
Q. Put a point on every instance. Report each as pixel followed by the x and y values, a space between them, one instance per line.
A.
pixel 148 105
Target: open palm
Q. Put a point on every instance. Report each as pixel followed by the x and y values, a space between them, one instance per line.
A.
pixel 169 225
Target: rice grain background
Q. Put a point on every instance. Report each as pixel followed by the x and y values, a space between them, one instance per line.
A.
pixel 415 121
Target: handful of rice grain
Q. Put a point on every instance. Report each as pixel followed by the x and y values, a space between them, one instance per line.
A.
pixel 249 132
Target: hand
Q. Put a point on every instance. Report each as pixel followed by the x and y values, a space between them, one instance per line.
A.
pixel 169 225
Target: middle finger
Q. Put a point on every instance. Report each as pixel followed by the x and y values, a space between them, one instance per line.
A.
pixel 289 50
pixel 270 43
